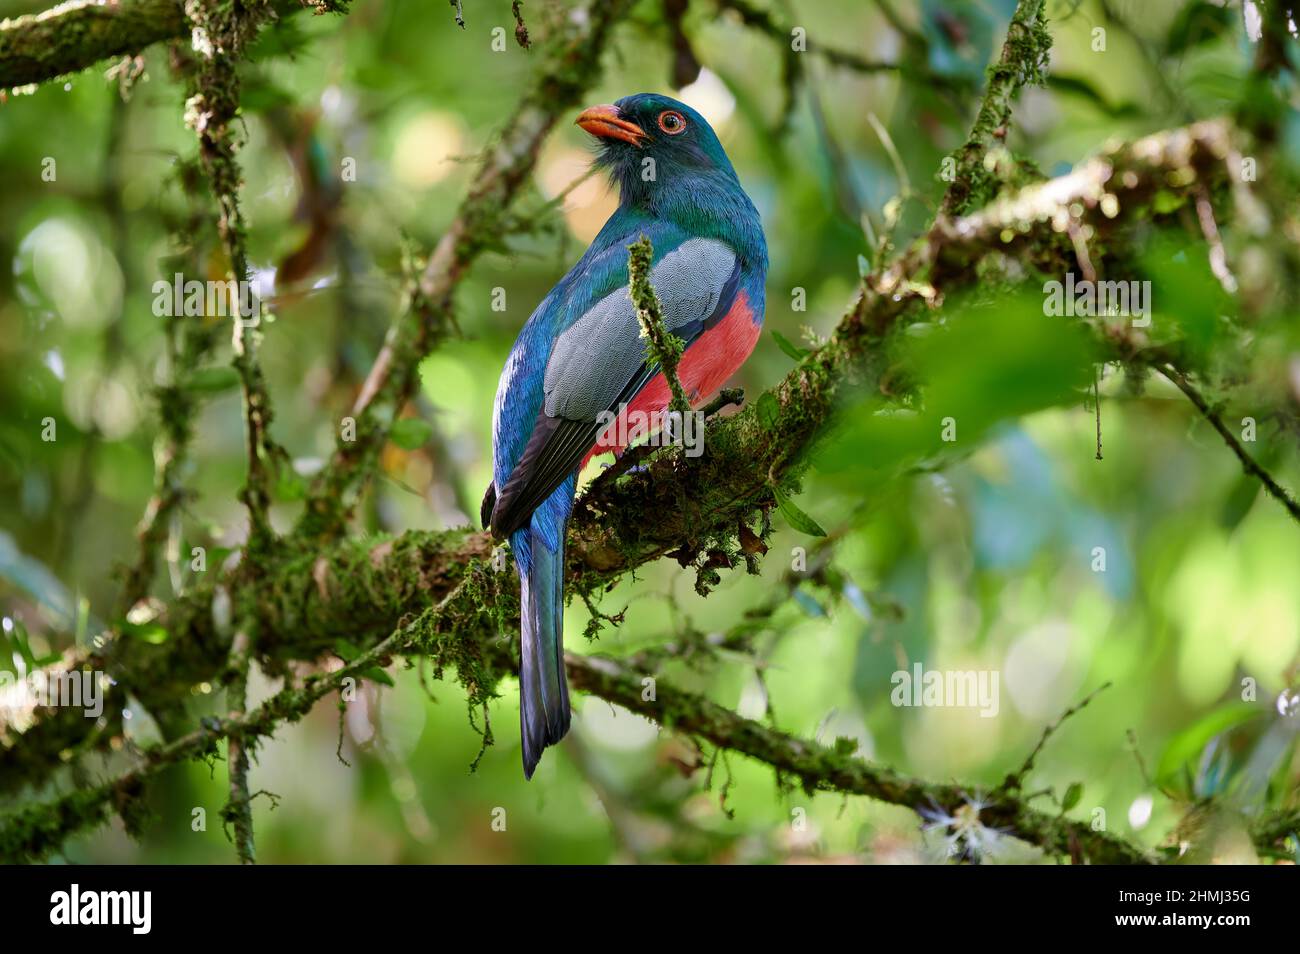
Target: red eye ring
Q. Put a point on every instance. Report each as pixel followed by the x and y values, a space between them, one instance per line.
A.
pixel 672 122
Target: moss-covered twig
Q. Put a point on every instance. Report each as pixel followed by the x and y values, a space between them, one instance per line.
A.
pixel 1022 62
pixel 662 346
pixel 74 35
pixel 211 112
pixel 837 769
pixel 239 808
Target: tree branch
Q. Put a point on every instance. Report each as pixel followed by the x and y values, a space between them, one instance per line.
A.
pixel 211 113
pixel 80 33
pixel 1023 60
pixel 34 832
pixel 239 808
pixel 74 35
pixel 836 769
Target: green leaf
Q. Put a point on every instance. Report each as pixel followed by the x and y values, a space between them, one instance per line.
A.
pixel 290 485
pixel 1166 202
pixel 1072 796
pixel 788 346
pixel 212 380
pixel 769 411
pixel 796 517
pixel 375 674
pixel 346 651
pixel 21 645
pixel 151 633
pixel 1184 749
pixel 410 433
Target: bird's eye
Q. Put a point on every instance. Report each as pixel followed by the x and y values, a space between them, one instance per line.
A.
pixel 672 122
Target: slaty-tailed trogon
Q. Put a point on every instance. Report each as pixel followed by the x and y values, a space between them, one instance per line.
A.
pixel 580 357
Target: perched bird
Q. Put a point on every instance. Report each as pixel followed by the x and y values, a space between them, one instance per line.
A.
pixel 580 357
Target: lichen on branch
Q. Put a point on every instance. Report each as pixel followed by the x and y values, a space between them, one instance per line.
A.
pixel 662 347
pixel 1023 62
pixel 80 33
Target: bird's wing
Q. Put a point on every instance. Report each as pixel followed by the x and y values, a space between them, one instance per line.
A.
pixel 598 364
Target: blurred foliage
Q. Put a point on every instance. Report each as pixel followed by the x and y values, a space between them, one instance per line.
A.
pixel 977 553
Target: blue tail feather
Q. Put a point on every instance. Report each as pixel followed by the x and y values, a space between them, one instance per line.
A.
pixel 544 712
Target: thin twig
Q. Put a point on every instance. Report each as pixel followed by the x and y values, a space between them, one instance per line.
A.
pixel 521 28
pixel 1096 405
pixel 212 113
pixel 1248 463
pixel 1013 781
pixel 662 347
pixel 239 808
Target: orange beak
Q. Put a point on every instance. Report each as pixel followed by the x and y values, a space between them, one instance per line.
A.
pixel 607 123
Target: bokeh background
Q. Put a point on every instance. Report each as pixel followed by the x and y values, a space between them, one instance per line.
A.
pixel 980 558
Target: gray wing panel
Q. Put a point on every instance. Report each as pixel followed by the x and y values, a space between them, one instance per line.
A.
pixel 596 357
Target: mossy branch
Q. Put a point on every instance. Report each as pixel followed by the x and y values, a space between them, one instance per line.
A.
pixel 1022 62
pixel 239 809
pixel 837 769
pixel 77 34
pixel 33 832
pixel 211 112
pixel 74 35
pixel 662 347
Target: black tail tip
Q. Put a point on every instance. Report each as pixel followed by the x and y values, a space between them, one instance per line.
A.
pixel 531 760
pixel 533 749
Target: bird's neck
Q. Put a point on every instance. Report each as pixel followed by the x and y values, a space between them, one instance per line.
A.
pixel 708 205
